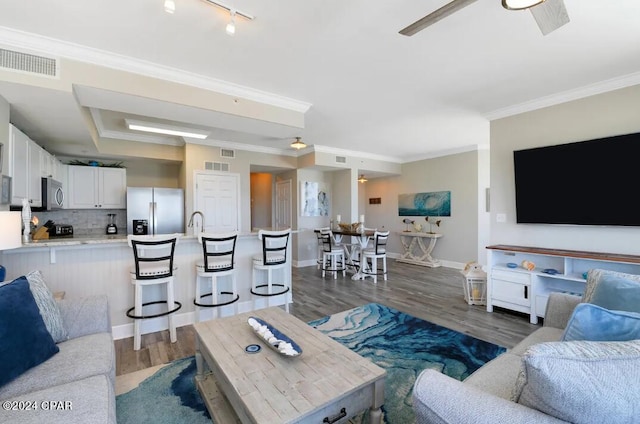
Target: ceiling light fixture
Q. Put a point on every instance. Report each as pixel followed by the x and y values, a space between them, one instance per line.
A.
pixel 362 179
pixel 298 144
pixel 169 6
pixel 230 9
pixel 520 4
pixel 164 129
pixel 231 26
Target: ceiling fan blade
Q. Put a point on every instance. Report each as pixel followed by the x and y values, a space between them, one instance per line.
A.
pixel 435 16
pixel 550 15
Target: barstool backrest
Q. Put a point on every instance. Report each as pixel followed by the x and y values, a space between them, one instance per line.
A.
pixel 327 240
pixel 153 255
pixel 380 242
pixel 218 250
pixel 274 246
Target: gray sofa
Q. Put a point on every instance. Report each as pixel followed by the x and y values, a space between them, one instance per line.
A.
pixel 484 396
pixel 588 374
pixel 77 384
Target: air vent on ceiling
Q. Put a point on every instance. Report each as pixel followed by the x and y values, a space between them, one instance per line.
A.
pixel 341 159
pixel 227 153
pixel 25 62
pixel 216 166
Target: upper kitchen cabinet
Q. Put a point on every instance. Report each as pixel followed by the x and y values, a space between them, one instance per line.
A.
pixel 92 187
pixel 25 170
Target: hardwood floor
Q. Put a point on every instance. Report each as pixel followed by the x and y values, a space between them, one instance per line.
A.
pixel 433 294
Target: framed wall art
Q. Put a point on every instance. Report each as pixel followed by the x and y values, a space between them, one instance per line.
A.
pixel 314 199
pixel 435 203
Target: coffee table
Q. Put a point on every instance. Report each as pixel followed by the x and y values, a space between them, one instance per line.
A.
pixel 328 383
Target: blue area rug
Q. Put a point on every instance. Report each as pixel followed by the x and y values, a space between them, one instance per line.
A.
pixel 401 344
pixel 405 345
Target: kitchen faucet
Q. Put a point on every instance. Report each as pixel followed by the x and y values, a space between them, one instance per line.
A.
pixel 190 224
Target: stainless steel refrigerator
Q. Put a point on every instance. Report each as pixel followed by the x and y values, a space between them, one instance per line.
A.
pixel 155 210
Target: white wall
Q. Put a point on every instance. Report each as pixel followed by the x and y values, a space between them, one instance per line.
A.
pixel 612 113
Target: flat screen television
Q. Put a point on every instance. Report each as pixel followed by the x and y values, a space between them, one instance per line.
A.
pixel 591 182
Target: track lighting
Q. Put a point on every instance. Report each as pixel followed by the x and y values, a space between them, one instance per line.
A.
pixel 298 144
pixel 169 6
pixel 231 26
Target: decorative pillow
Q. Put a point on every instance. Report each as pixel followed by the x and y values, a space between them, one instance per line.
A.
pixel 593 323
pixel 617 293
pixel 595 276
pixel 581 381
pixel 25 340
pixel 48 306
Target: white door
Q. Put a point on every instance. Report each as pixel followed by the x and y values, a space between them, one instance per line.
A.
pixel 283 204
pixel 217 196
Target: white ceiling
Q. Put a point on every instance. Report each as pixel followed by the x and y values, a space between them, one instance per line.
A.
pixel 371 90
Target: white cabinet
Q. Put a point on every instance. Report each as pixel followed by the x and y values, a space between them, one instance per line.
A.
pixel 25 169
pixel 91 187
pixel 521 290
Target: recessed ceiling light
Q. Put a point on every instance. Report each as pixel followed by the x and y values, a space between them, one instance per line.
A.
pixel 165 129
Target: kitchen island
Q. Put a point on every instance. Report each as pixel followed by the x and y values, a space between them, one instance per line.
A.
pixel 83 266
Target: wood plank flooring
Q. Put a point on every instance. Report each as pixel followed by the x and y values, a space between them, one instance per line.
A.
pixel 433 294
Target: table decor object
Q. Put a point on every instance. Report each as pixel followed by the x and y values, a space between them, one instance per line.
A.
pixel 275 339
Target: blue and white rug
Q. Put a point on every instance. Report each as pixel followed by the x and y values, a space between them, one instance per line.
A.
pixel 401 344
pixel 404 346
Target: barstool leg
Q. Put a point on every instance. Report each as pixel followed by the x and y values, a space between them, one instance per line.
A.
pixel 374 269
pixel 287 295
pixel 344 265
pixel 198 291
pixel 171 305
pixel 255 283
pixel 234 288
pixel 138 312
pixel 384 267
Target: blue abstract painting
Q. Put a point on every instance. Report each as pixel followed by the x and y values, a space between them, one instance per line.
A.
pixel 435 203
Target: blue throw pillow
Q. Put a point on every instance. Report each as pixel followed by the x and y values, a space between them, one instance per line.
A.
pixel 593 323
pixel 25 340
pixel 617 293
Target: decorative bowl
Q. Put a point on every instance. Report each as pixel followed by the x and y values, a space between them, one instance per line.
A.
pixel 275 339
pixel 512 265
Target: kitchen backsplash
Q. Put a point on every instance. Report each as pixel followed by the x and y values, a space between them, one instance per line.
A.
pixel 86 222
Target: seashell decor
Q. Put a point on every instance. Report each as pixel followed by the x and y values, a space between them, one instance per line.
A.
pixel 274 338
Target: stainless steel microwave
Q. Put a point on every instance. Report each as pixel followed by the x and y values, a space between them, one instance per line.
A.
pixel 52 194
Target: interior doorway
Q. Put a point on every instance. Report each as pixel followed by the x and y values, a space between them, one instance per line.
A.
pixel 261 200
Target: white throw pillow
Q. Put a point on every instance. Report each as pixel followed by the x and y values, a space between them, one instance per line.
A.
pixel 582 381
pixel 48 307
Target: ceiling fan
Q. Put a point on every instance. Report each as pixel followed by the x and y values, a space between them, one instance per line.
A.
pixel 549 14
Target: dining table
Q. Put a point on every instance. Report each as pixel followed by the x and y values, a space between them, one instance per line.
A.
pixel 354 250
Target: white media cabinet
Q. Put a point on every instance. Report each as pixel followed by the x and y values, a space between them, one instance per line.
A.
pixel 525 291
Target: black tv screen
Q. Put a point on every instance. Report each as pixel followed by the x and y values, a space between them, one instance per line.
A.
pixel 586 183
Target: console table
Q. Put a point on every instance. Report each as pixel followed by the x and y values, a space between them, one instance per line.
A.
pixel 513 287
pixel 415 251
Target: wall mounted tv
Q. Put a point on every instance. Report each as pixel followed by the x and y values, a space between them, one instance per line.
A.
pixel 593 182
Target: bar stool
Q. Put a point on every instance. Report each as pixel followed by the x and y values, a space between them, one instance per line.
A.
pixel 218 261
pixel 378 251
pixel 332 254
pixel 272 258
pixel 153 256
pixel 319 240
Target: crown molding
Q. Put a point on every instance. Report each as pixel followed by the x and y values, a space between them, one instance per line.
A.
pixel 567 96
pixel 247 147
pixel 345 152
pixel 49 46
pixel 447 152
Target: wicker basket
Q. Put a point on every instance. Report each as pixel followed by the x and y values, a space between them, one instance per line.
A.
pixel 350 227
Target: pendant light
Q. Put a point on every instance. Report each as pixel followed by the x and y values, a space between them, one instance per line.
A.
pixel 520 4
pixel 298 144
pixel 362 179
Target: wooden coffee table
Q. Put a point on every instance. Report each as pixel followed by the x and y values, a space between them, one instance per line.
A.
pixel 328 383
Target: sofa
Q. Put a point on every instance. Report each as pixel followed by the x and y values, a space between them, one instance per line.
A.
pixel 74 385
pixel 581 366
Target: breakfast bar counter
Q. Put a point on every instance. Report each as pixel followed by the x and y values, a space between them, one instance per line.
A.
pixel 83 266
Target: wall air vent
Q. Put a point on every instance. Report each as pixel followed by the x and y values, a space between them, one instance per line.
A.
pixel 227 153
pixel 25 62
pixel 341 159
pixel 216 166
